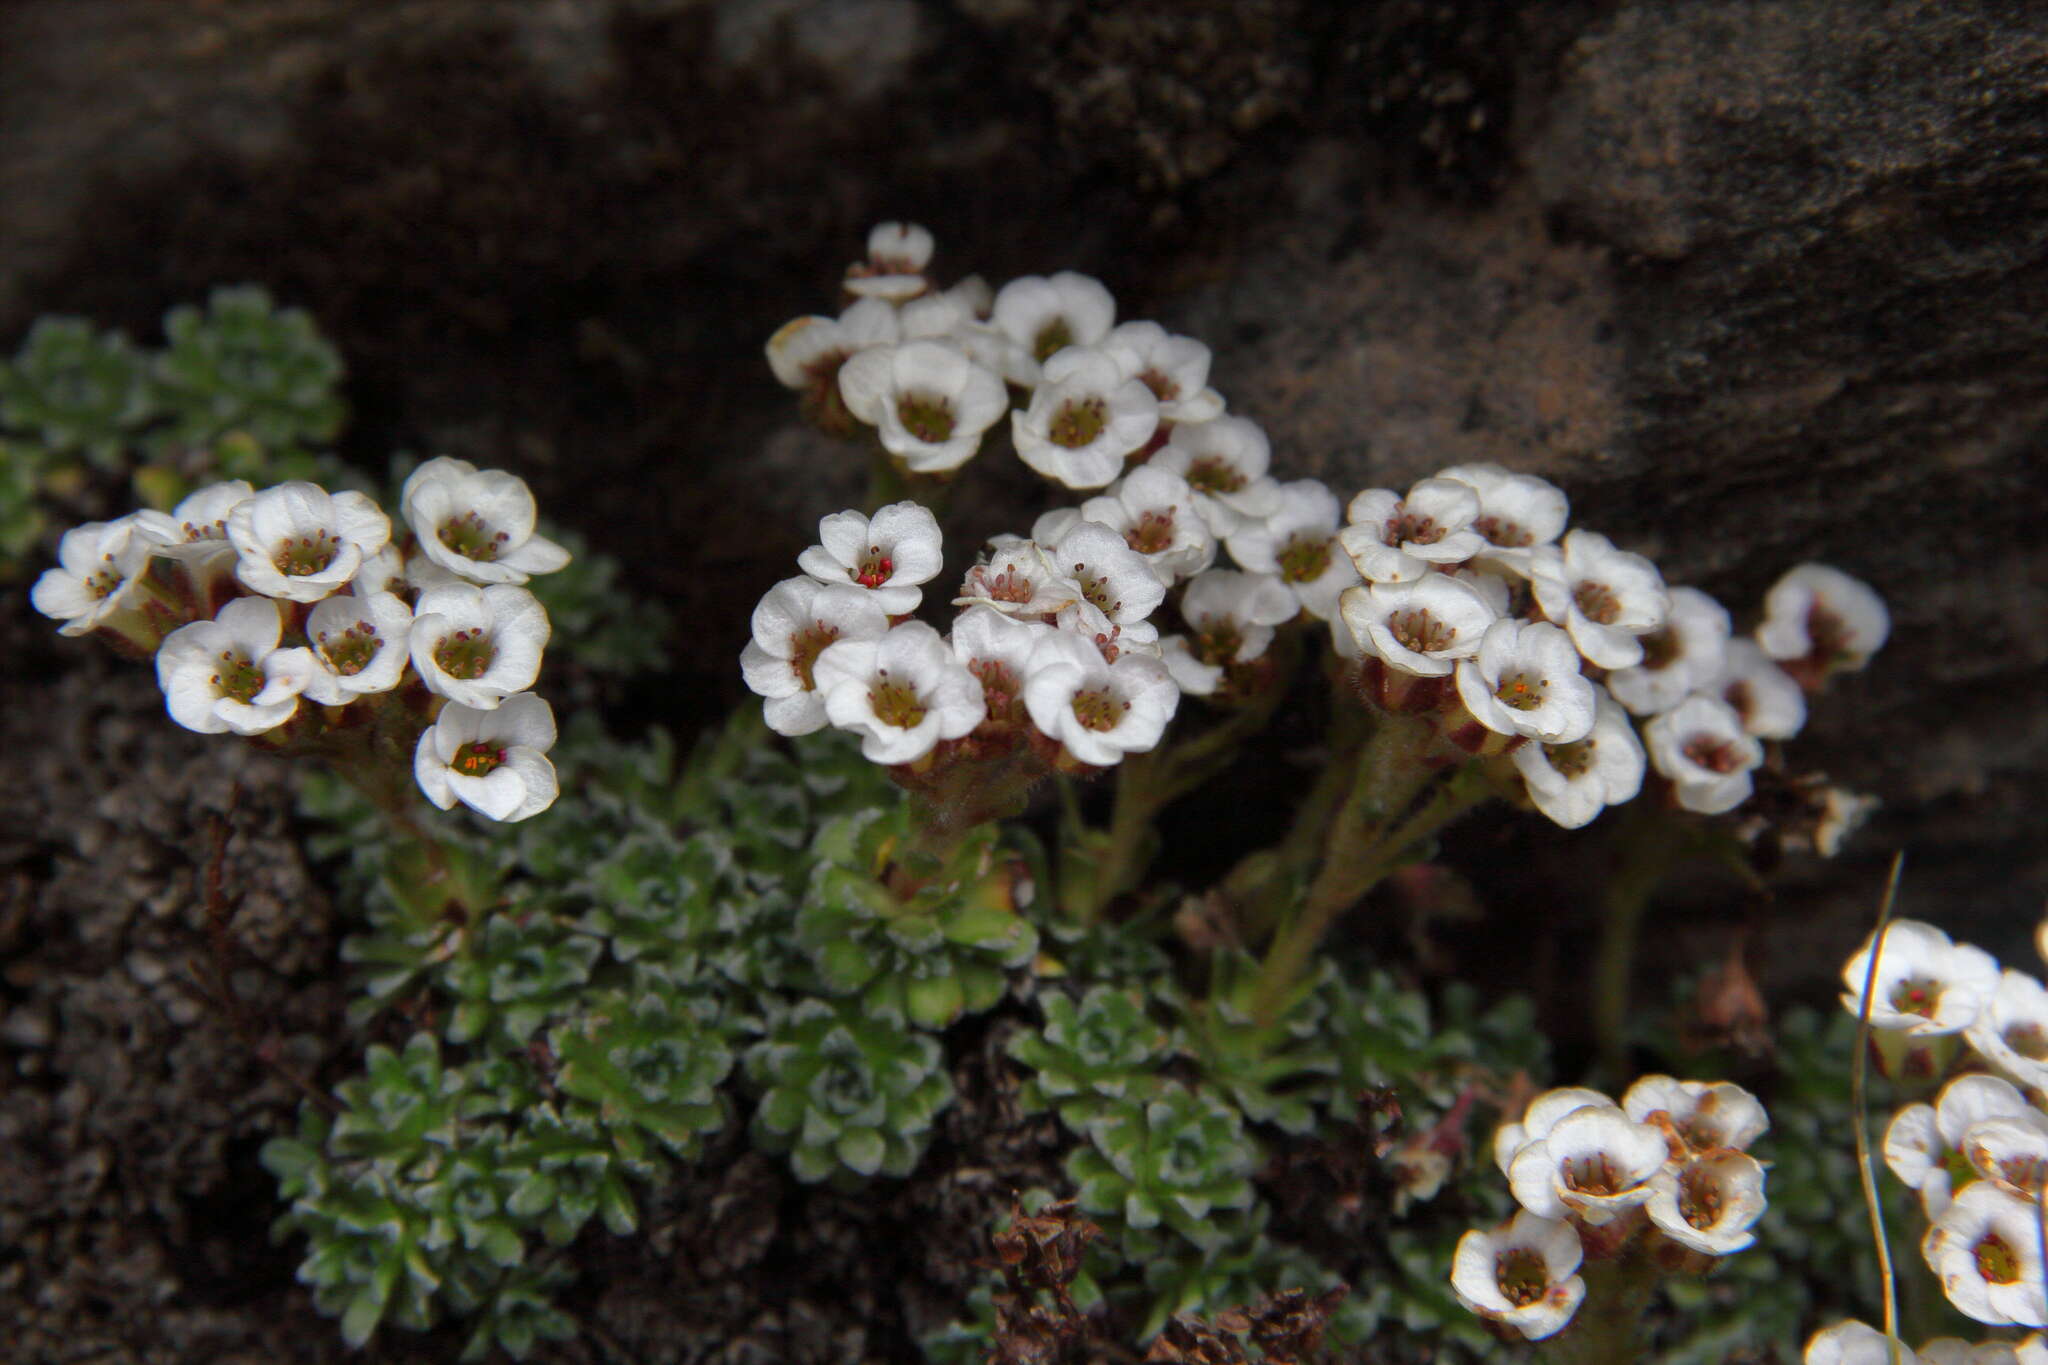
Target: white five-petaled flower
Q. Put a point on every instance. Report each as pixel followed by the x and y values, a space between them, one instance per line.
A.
pixel 1985 1247
pixel 2010 1151
pixel 887 555
pixel 1085 419
pixel 997 649
pixel 1607 598
pixel 1113 578
pixel 477 523
pixel 98 574
pixel 1538 1117
pixel 1018 579
pixel 894 268
pixel 1923 1144
pixel 1231 616
pixel 793 623
pixel 1154 511
pixel 902 694
pixel 1701 746
pixel 299 542
pixel 223 674
pixel 2011 1031
pixel 1298 541
pixel 1596 1163
pixel 1767 698
pixel 1517 512
pixel 929 403
pixel 1525 680
pixel 1572 783
pixel 1821 617
pixel 1704 1115
pixel 1046 314
pixel 1423 627
pixel 1099 710
pixel 195 532
pixel 1926 983
pixel 1175 368
pixel 1855 1343
pixel 806 354
pixel 478 645
pixel 1684 655
pixel 495 762
pixel 1523 1274
pixel 1710 1202
pixel 358 646
pixel 1224 462
pixel 1392 539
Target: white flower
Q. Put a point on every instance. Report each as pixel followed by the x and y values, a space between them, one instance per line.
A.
pixel 476 645
pixel 1767 698
pixel 894 269
pixel 2011 1031
pixel 495 762
pixel 1956 1351
pixel 1701 746
pixel 1926 984
pixel 1393 539
pixel 1423 627
pixel 1595 1163
pixel 1154 511
pixel 1985 1248
pixel 1298 541
pixel 477 523
pixel 1046 315
pixel 1855 1343
pixel 806 354
pixel 997 649
pixel 1018 579
pixel 1923 1143
pixel 2010 1151
pixel 1523 1274
pixel 1517 512
pixel 1705 1115
pixel 1607 598
pixel 98 574
pixel 1572 783
pixel 359 646
pixel 195 532
pixel 1086 621
pixel 888 555
pixel 1113 578
pixel 1684 655
pixel 221 675
pixel 902 694
pixel 1099 710
pixel 928 401
pixel 793 623
pixel 1819 615
pixel 299 542
pixel 1233 614
pixel 1525 680
pixel 1175 368
pixel 387 571
pixel 1085 419
pixel 1538 1117
pixel 1710 1202
pixel 1224 462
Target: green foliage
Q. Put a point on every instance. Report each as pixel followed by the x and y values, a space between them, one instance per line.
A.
pixel 1094 1050
pixel 1270 1070
pixel 1174 1158
pixel 844 1089
pixel 74 392
pixel 648 1063
pixel 245 365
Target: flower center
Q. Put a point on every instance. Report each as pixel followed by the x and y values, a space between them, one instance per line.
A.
pixel 1151 533
pixel 238 677
pixel 1306 558
pixel 1591 1175
pixel 1521 1275
pixel 211 530
pixel 1218 642
pixel 1699 1199
pixel 1660 649
pixel 306 555
pixel 804 648
pixel 1418 529
pixel 1521 691
pixel 927 417
pixel 353 651
pixel 470 536
pixel 1415 629
pixel 1099 709
pixel 1712 752
pixel 1919 995
pixel 465 654
pixel 894 703
pixel 1570 760
pixel 477 758
pixel 1996 1261
pixel 1078 422
pixel 874 569
pixel 1164 389
pixel 1214 474
pixel 1506 534
pixel 999 687
pixel 1096 589
pixel 2022 1171
pixel 1008 586
pixel 2029 1040
pixel 1828 632
pixel 1596 602
pixel 103 584
pixel 1054 336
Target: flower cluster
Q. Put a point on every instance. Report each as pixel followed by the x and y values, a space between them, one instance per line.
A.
pixel 1858 1343
pixel 1665 1173
pixel 1977 1155
pixel 276 613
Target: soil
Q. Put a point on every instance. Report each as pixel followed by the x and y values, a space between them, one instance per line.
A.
pixel 1757 283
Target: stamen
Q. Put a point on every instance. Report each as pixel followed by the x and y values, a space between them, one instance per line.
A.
pixel 1078 422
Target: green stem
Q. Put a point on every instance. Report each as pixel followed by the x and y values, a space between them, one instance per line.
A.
pixel 1605 1329
pixel 1649 838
